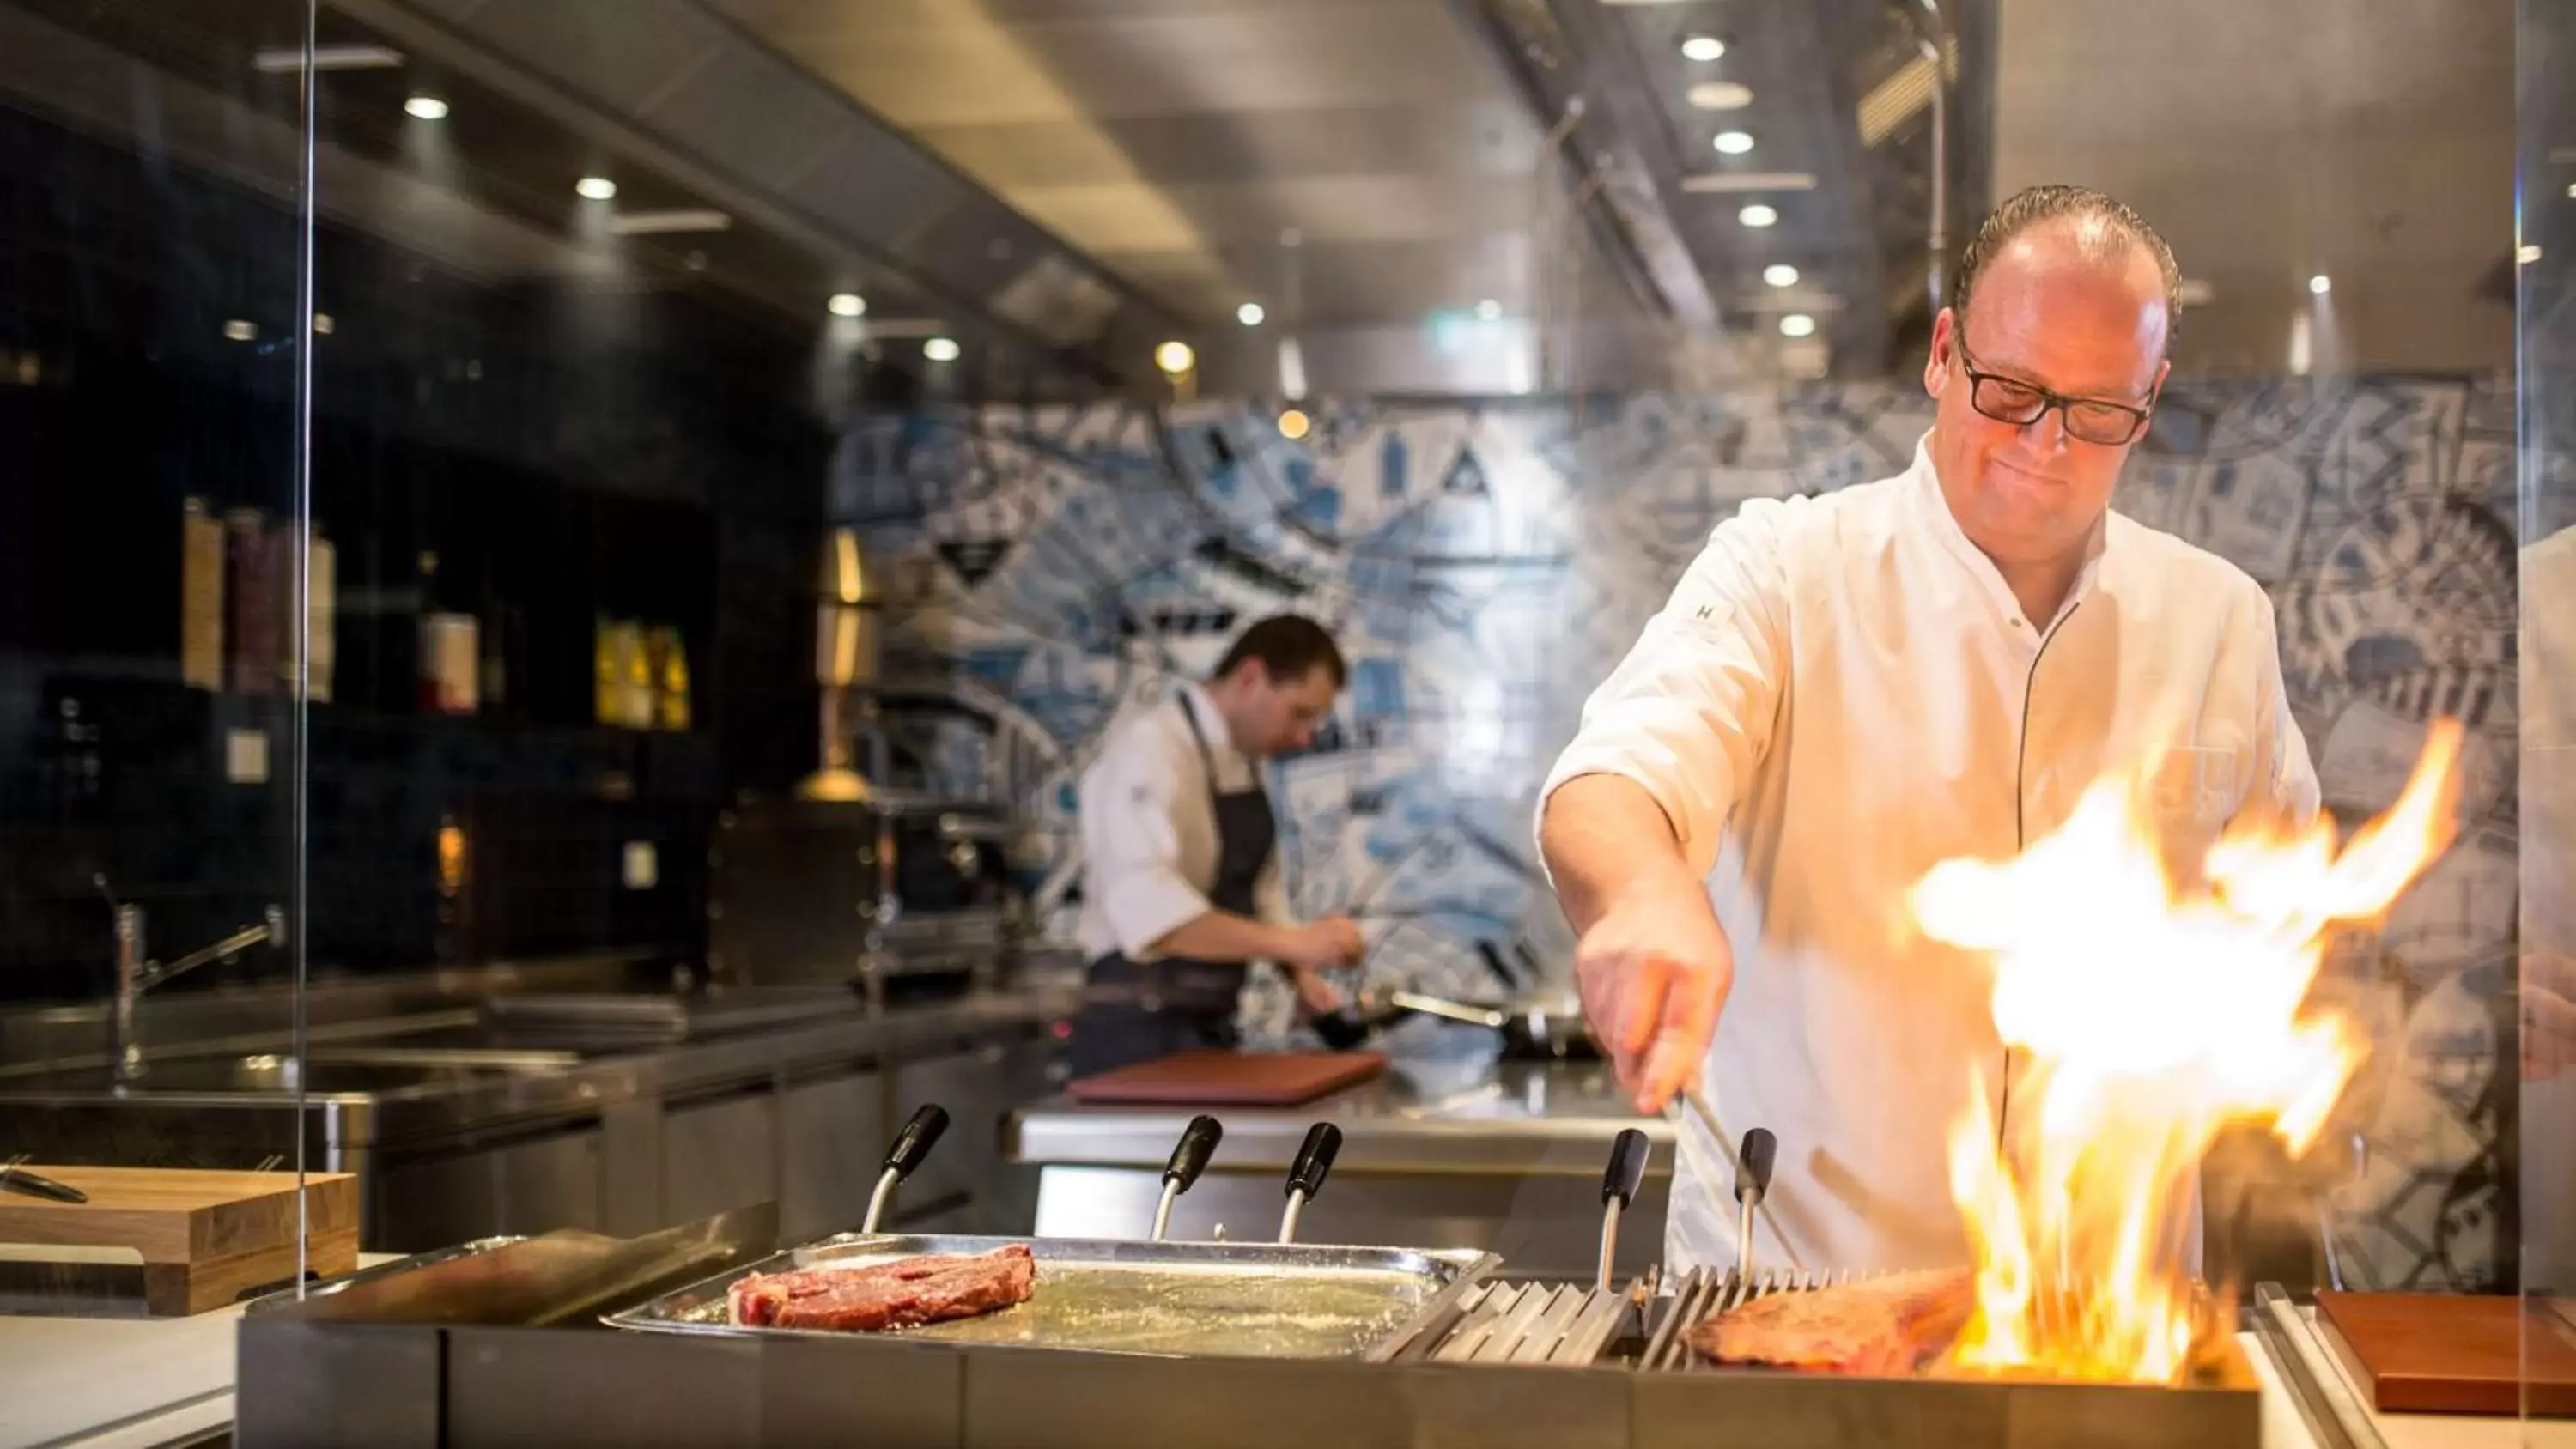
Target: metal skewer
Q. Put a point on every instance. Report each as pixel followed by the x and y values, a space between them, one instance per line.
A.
pixel 911 1145
pixel 1306 1174
pixel 1189 1159
pixel 1761 1203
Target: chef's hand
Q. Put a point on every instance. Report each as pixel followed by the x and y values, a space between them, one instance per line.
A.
pixel 1322 945
pixel 1317 995
pixel 1653 971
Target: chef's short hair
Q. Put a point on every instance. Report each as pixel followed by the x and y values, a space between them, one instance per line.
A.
pixel 1288 645
pixel 2114 229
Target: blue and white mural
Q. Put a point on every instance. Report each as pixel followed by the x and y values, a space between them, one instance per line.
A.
pixel 1485 564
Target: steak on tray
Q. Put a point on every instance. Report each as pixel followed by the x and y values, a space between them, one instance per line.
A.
pixel 901 1294
pixel 1891 1325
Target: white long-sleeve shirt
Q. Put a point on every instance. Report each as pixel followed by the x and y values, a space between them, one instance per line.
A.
pixel 1149 828
pixel 1840 694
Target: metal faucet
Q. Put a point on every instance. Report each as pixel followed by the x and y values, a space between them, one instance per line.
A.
pixel 136 975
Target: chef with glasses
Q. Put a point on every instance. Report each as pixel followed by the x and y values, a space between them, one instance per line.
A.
pixel 1845 690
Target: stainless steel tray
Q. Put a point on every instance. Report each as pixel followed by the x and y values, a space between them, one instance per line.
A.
pixel 1225 1300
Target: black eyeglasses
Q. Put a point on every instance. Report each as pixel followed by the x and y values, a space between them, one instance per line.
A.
pixel 2009 400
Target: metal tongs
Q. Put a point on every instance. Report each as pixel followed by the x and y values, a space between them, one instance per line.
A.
pixel 1189 1159
pixel 1752 1167
pixel 911 1146
pixel 1306 1174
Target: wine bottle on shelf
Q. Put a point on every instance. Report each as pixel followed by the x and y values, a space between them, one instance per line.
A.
pixel 670 679
pixel 252 592
pixel 201 597
pixel 450 658
pixel 322 618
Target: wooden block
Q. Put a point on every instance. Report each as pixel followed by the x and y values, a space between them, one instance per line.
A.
pixel 1224 1078
pixel 204 1237
pixel 176 1289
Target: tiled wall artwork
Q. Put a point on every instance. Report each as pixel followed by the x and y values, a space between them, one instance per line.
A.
pixel 1486 564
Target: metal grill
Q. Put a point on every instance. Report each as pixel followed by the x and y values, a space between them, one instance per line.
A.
pixel 1704 1291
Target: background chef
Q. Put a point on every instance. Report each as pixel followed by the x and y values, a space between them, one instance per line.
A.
pixel 1181 885
pixel 1847 689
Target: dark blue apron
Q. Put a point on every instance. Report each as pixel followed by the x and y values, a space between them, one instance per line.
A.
pixel 1140 1012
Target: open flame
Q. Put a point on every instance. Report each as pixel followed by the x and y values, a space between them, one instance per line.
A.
pixel 2147 1011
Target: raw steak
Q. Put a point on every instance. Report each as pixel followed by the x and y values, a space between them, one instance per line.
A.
pixel 1891 1325
pixel 888 1295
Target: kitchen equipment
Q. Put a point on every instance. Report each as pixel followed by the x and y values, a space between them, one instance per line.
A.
pixel 1260 1300
pixel 2451 1353
pixel 1567 1326
pixel 1752 1184
pixel 1547 1027
pixel 1618 1190
pixel 1697 1101
pixel 15 1178
pixel 1306 1174
pixel 205 1238
pixel 1189 1159
pixel 911 1146
pixel 1217 1078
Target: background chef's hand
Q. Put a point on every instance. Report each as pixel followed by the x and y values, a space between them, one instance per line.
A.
pixel 1317 995
pixel 1322 945
pixel 1653 971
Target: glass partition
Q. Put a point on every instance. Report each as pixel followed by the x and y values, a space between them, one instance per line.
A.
pixel 161 595
pixel 2547 377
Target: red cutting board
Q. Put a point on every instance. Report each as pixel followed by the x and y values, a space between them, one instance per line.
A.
pixel 2451 1353
pixel 1230 1079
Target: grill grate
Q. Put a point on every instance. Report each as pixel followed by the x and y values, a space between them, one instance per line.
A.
pixel 1704 1291
pixel 1577 1326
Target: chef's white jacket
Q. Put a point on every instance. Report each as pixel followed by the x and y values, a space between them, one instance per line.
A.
pixel 1149 843
pixel 1840 694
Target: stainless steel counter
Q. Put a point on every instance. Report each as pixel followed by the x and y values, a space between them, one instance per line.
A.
pixel 1452 1150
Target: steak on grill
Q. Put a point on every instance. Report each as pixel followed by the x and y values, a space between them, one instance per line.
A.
pixel 913 1291
pixel 1891 1325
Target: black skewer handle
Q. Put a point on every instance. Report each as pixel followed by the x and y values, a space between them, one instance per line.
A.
pixel 1627 1167
pixel 914 1142
pixel 1190 1158
pixel 1314 1160
pixel 1759 1151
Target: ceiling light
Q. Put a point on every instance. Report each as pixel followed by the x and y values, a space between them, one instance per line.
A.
pixel 2571 190
pixel 1703 47
pixel 323 324
pixel 1797 324
pixel 940 349
pixel 1174 357
pixel 240 331
pixel 1721 183
pixel 596 188
pixel 2528 253
pixel 1780 274
pixel 1757 215
pixel 2320 284
pixel 2196 292
pixel 1489 310
pixel 289 59
pixel 1720 96
pixel 427 108
pixel 1733 143
pixel 674 219
pixel 1250 314
pixel 1293 425
pixel 848 304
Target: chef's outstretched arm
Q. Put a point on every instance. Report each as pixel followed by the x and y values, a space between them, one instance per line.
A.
pixel 1631 817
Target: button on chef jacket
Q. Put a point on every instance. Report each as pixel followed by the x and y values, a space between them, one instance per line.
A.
pixel 1149 828
pixel 1841 693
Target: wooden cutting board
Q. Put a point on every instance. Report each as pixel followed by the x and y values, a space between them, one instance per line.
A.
pixel 204 1237
pixel 1230 1079
pixel 2450 1353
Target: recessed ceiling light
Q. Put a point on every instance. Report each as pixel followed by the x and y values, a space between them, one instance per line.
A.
pixel 1780 274
pixel 1250 314
pixel 1797 324
pixel 2571 190
pixel 240 331
pixel 1757 215
pixel 1174 357
pixel 323 324
pixel 596 188
pixel 1489 310
pixel 940 349
pixel 2320 284
pixel 289 59
pixel 1733 143
pixel 1722 183
pixel 674 219
pixel 2197 292
pixel 427 108
pixel 1720 96
pixel 848 304
pixel 1293 425
pixel 1703 47
pixel 2529 253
